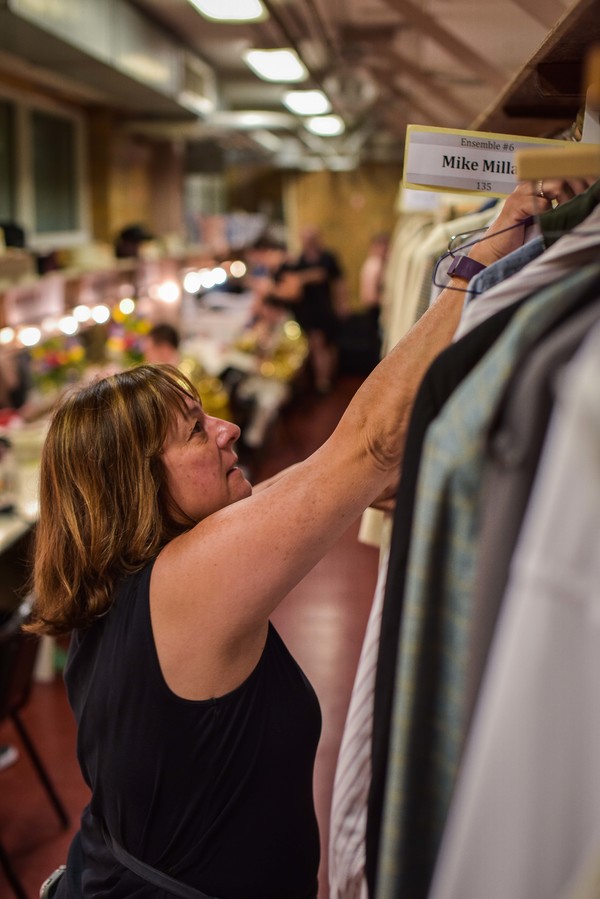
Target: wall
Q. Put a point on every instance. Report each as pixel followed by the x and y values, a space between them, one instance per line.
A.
pixel 132 180
pixel 100 124
pixel 255 189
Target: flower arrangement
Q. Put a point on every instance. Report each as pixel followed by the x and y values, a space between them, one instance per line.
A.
pixel 62 359
pixel 125 343
pixel 57 361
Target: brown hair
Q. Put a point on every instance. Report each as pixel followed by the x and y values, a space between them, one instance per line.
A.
pixel 104 507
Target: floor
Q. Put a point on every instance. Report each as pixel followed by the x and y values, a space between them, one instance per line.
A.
pixel 322 622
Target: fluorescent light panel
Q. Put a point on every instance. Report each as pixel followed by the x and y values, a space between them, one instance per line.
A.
pixel 307 102
pixel 276 65
pixel 231 10
pixel 195 103
pixel 267 139
pixel 325 125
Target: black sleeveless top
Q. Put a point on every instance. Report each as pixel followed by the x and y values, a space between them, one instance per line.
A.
pixel 216 793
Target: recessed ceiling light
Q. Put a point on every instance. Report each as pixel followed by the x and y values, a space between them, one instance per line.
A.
pixel 231 10
pixel 326 125
pixel 307 102
pixel 276 65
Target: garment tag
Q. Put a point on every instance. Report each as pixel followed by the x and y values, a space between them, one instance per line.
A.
pixel 478 162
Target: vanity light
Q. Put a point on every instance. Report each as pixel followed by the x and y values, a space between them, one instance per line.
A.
pixel 82 313
pixel 237 269
pixel 192 282
pixel 307 102
pixel 168 292
pixel 231 10
pixel 68 324
pixel 29 336
pixel 326 125
pixel 127 305
pixel 100 314
pixel 276 65
pixel 206 278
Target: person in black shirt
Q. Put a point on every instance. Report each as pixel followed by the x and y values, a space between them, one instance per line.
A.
pixel 313 286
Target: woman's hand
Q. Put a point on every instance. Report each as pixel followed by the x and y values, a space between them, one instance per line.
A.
pixel 527 199
pixel 558 190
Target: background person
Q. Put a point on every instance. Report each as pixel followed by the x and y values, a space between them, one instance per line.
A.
pixel 313 285
pixel 161 345
pixel 274 351
pixel 371 275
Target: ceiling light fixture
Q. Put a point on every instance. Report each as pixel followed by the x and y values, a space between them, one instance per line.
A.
pixel 326 125
pixel 267 139
pixel 196 103
pixel 307 102
pixel 231 10
pixel 252 118
pixel 276 65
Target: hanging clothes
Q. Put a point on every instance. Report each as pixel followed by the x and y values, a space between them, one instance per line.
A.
pixel 427 726
pixel 428 251
pixel 419 709
pixel 575 248
pixel 443 376
pixel 398 304
pixel 511 459
pixel 525 820
pixel 416 244
pixel 504 268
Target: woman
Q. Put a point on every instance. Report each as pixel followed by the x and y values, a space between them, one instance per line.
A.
pixel 197 731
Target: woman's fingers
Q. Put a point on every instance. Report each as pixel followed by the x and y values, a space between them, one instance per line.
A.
pixel 559 190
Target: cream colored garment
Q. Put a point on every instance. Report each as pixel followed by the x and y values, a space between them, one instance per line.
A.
pixel 398 307
pixel 371 527
pixel 405 237
pixel 435 246
pixel 416 242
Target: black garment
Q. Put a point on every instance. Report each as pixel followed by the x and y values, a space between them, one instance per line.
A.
pixel 443 376
pixel 69 885
pixel 216 793
pixel 315 311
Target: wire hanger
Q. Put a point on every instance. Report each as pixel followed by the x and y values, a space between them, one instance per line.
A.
pixel 452 249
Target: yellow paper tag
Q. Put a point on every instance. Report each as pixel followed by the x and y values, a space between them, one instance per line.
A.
pixel 473 162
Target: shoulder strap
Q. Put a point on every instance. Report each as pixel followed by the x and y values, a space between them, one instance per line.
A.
pixel 149 874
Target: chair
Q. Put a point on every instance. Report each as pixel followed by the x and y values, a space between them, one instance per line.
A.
pixel 18 652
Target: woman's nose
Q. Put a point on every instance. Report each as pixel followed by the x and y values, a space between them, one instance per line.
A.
pixel 227 431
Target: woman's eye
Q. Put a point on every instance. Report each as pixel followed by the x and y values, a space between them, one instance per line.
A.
pixel 197 429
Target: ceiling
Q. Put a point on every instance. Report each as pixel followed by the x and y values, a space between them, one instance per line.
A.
pixel 382 63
